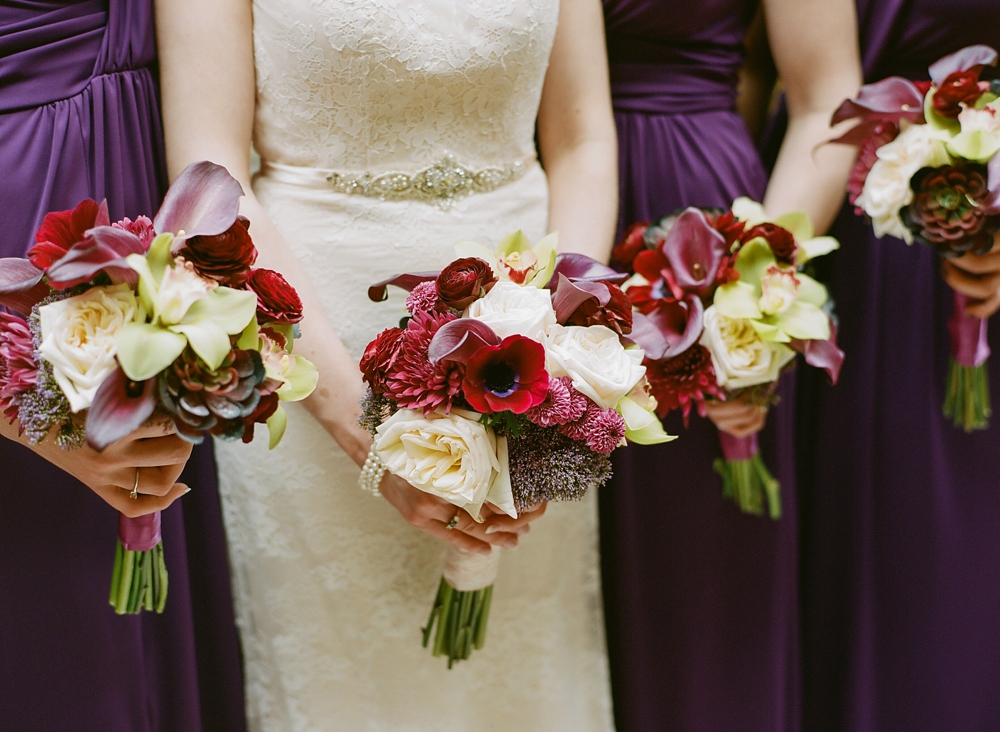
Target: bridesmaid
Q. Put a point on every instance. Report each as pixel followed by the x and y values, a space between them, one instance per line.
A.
pixel 900 510
pixel 79 118
pixel 701 600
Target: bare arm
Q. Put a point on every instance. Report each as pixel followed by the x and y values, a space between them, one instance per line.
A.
pixel 576 132
pixel 815 49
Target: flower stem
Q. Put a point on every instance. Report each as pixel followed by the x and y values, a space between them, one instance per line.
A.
pixel 967 396
pixel 138 581
pixel 750 484
pixel 458 622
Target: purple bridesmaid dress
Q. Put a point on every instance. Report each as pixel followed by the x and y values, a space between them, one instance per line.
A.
pixel 900 510
pixel 79 117
pixel 700 599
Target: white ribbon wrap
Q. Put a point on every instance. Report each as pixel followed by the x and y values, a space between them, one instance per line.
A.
pixel 469 571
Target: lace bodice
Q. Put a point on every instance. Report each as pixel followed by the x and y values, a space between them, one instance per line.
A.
pixel 379 85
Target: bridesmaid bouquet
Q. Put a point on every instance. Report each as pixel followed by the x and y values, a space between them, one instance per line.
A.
pixel 511 381
pixel 928 171
pixel 110 325
pixel 722 307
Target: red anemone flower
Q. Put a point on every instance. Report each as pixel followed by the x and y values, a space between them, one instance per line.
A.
pixel 510 376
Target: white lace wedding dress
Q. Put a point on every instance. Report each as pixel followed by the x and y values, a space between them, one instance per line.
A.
pixel 331 584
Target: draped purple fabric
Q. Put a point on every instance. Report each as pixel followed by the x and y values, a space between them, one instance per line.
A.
pixel 700 599
pixel 79 117
pixel 899 509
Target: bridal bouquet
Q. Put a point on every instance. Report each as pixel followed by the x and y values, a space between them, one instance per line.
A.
pixel 722 306
pixel 113 324
pixel 510 382
pixel 928 171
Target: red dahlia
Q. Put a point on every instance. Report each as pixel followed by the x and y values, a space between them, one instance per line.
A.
pixel 679 382
pixel 412 380
pixel 508 377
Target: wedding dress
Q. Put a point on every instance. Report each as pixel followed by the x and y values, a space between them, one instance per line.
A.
pixel 388 131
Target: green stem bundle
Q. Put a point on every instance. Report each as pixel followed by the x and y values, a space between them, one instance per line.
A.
pixel 460 619
pixel 138 581
pixel 967 396
pixel 750 484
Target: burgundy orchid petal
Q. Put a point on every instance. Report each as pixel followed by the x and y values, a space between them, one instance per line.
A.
pixel 569 295
pixel 120 408
pixel 893 98
pixel 104 249
pixel 824 355
pixel 991 204
pixel 380 290
pixel 578 267
pixel 966 59
pixel 203 201
pixel 695 251
pixel 459 339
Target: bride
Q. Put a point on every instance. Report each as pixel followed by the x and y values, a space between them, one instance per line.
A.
pixel 339 96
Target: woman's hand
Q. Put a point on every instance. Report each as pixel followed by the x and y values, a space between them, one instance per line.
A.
pixel 737 417
pixel 153 452
pixel 978 277
pixel 432 515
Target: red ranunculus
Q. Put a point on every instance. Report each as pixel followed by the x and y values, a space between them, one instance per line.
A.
pixel 780 240
pixel 277 301
pixel 463 281
pixel 617 314
pixel 960 87
pixel 378 358
pixel 225 258
pixel 633 242
pixel 508 377
pixel 60 230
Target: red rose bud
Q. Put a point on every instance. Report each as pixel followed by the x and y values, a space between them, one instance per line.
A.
pixel 277 301
pixel 508 377
pixel 633 242
pixel 61 230
pixel 225 258
pixel 464 281
pixel 378 358
pixel 617 314
pixel 780 240
pixel 960 87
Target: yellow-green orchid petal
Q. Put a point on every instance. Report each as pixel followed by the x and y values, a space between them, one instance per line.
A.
pixel 158 256
pixel 250 337
pixel 287 331
pixel 816 247
pixel 937 121
pixel 811 291
pixel 300 381
pixel 737 300
pixel 276 425
pixel 231 310
pixel 513 244
pixel 976 145
pixel 642 426
pixel 753 260
pixel 147 283
pixel 804 322
pixel 769 331
pixel 797 222
pixel 480 251
pixel 207 339
pixel 748 210
pixel 545 250
pixel 144 349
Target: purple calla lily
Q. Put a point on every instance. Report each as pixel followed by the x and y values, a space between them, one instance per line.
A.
pixel 104 249
pixel 580 267
pixel 21 286
pixel 203 201
pixel 120 407
pixel 459 339
pixel 678 324
pixel 695 251
pixel 888 100
pixel 824 355
pixel 570 295
pixel 970 58
pixel 380 290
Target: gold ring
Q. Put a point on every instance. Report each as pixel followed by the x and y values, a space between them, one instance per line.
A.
pixel 135 488
pixel 453 523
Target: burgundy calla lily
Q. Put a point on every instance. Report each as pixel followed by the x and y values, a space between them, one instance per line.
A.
pixel 694 250
pixel 970 58
pixel 580 267
pixel 120 407
pixel 380 290
pixel 824 355
pixel 103 250
pixel 21 286
pixel 203 201
pixel 459 339
pixel 509 376
pixel 669 328
pixel 891 99
pixel 569 295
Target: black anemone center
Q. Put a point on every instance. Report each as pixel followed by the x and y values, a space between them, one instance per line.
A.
pixel 500 378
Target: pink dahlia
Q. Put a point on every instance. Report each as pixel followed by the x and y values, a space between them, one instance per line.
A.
pixel 142 227
pixel 413 382
pixel 602 429
pixel 18 370
pixel 562 405
pixel 424 298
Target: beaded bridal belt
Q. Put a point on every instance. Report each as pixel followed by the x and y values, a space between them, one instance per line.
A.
pixel 441 183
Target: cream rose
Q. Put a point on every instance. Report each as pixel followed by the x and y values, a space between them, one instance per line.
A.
pixel 596 361
pixel 78 339
pixel 887 187
pixel 510 309
pixel 740 356
pixel 451 456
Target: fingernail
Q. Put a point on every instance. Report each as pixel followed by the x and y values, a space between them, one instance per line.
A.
pixel 492 529
pixel 186 492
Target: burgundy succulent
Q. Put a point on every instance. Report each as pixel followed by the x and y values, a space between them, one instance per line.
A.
pixel 947 209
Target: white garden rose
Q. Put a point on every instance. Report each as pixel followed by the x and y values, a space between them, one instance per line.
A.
pixel 510 309
pixel 451 456
pixel 78 339
pixel 740 356
pixel 595 360
pixel 887 187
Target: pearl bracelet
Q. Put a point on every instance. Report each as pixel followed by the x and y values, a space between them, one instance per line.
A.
pixel 371 473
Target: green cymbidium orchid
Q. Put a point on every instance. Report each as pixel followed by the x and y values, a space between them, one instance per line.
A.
pixel 516 259
pixel 642 426
pixel 780 303
pixel 798 223
pixel 179 308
